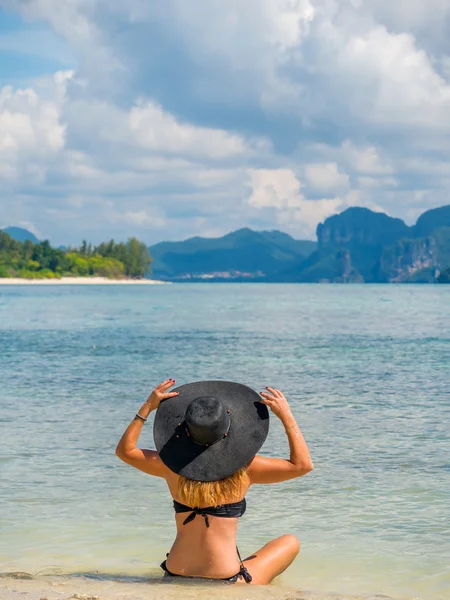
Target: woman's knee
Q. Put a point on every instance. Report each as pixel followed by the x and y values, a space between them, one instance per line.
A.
pixel 291 543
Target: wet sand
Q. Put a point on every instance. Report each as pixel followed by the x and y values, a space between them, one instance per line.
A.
pixel 17 587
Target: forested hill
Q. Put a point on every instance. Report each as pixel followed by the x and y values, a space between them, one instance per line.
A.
pixel 21 235
pixel 40 261
pixel 240 255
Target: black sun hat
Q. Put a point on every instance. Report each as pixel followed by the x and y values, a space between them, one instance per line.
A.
pixel 211 429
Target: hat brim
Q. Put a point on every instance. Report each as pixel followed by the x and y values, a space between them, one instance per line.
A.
pixel 248 431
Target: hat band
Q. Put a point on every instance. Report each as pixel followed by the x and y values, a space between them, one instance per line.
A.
pixel 224 435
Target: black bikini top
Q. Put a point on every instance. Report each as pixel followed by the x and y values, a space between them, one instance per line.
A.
pixel 226 511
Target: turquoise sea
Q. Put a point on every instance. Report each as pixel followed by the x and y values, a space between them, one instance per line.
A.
pixel 366 369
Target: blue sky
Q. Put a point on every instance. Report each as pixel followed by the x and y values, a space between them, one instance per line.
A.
pixel 166 120
pixel 29 50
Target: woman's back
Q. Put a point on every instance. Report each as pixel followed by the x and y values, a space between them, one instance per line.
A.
pixel 200 550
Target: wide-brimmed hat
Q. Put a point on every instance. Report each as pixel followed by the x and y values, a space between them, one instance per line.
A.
pixel 211 429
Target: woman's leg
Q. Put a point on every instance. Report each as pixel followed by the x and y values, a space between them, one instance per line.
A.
pixel 272 559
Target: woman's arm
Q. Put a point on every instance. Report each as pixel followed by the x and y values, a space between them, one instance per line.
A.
pixel 273 470
pixel 144 460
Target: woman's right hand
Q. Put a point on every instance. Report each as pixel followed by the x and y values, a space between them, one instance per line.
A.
pixel 276 401
pixel 160 393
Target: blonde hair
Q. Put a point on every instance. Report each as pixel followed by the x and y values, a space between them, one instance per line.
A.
pixel 212 493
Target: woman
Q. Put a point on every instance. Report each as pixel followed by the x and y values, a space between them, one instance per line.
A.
pixel 207 436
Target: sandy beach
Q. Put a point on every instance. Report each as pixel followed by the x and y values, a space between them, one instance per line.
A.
pixel 91 588
pixel 79 281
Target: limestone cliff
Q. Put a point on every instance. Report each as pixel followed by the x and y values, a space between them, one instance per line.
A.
pixel 353 242
pixel 410 260
pixel 362 245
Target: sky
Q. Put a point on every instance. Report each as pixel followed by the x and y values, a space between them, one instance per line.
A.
pixel 164 120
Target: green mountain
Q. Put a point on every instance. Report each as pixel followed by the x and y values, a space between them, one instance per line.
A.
pixel 360 245
pixel 243 254
pixel 431 220
pixel 21 235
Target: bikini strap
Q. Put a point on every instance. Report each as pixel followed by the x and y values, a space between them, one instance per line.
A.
pixel 243 570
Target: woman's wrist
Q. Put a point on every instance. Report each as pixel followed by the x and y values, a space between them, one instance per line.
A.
pixel 288 419
pixel 145 410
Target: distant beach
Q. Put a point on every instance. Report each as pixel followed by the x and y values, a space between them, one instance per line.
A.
pixel 79 281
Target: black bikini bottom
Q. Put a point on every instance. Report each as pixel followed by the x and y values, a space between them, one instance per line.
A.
pixel 242 571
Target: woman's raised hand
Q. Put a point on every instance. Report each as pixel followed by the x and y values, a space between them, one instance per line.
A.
pixel 161 393
pixel 276 401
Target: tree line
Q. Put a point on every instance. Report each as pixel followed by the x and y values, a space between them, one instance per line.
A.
pixel 28 260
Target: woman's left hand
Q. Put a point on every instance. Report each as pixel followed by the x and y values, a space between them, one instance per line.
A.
pixel 160 393
pixel 277 402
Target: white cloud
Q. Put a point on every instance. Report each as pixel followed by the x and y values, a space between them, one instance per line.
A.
pixel 157 130
pixel 426 166
pixel 107 178
pixel 142 218
pixel 27 123
pixel 281 189
pixel 413 15
pixel 174 106
pixel 364 159
pixel 71 19
pixel 397 84
pixel 31 136
pixel 326 177
pixel 362 58
pixel 371 183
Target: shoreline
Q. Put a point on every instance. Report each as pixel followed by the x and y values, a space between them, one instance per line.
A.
pixel 80 281
pixel 91 587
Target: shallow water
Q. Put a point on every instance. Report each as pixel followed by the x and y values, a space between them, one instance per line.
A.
pixel 366 369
